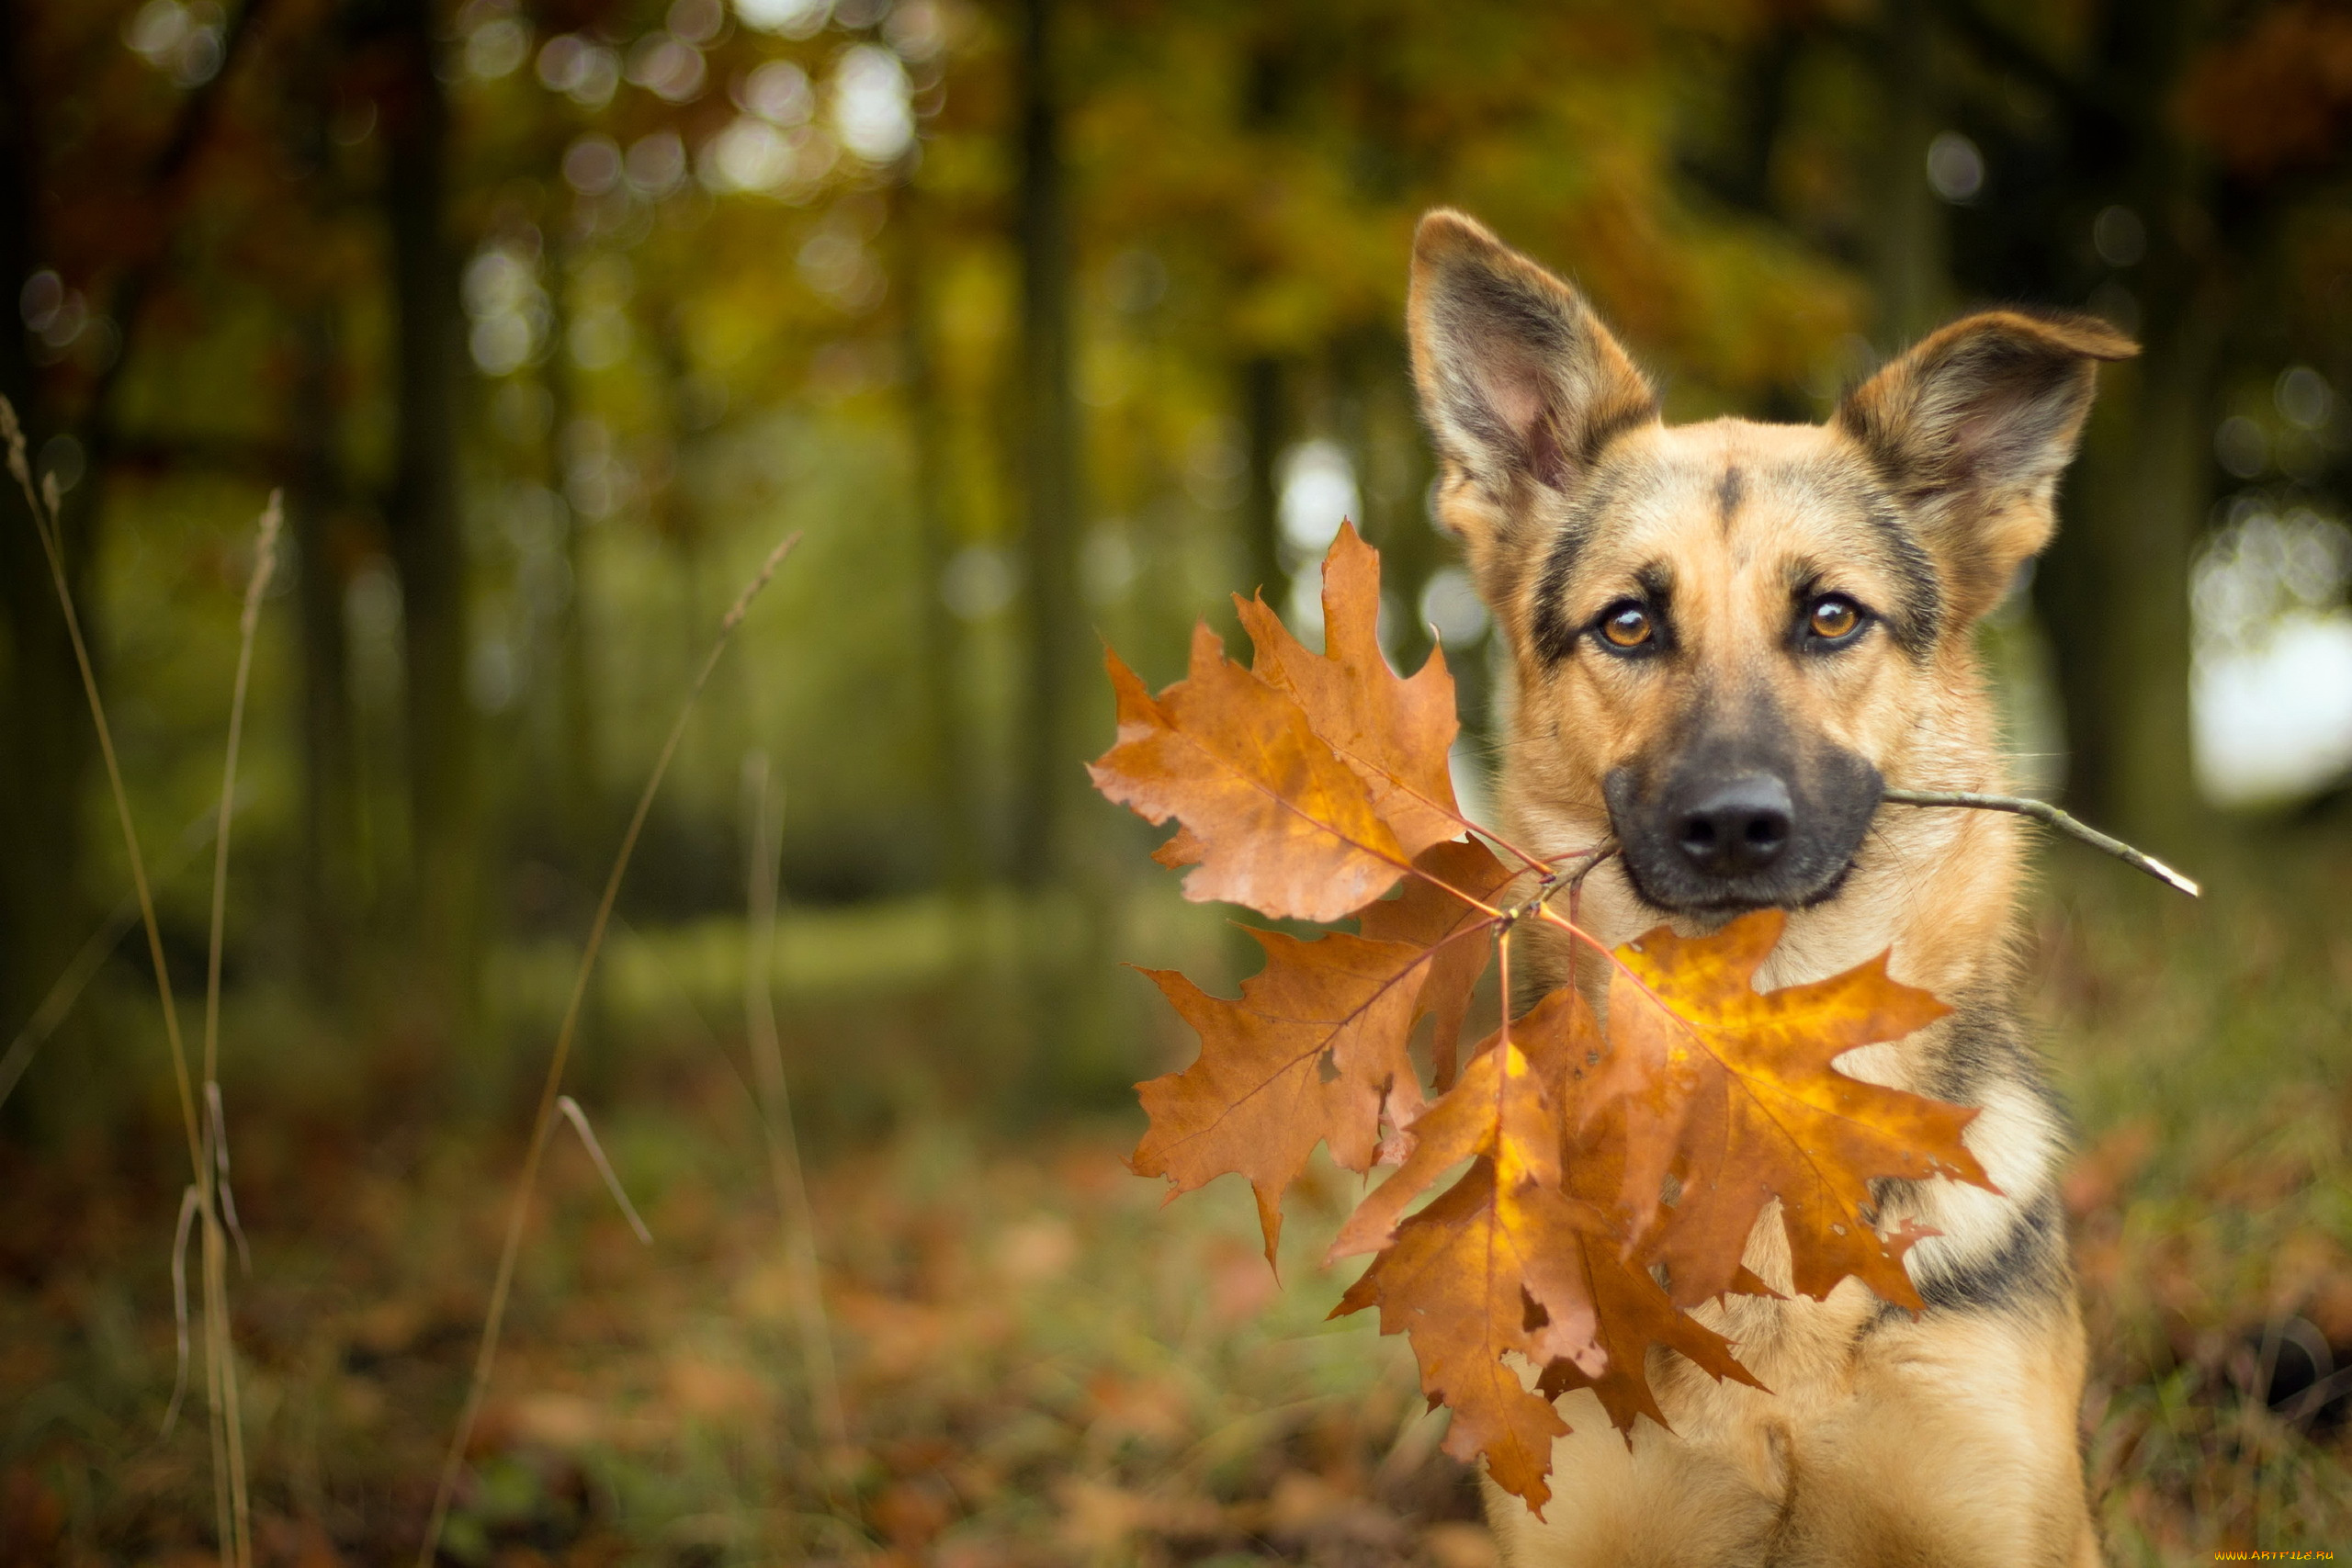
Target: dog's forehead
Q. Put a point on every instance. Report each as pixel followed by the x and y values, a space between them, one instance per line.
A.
pixel 1730 482
pixel 1730 499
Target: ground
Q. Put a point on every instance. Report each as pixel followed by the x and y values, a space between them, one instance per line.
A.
pixel 1038 1362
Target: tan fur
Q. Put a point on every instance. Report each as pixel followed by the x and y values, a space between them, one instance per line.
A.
pixel 1950 1438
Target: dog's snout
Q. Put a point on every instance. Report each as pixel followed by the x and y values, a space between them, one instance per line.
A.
pixel 1734 827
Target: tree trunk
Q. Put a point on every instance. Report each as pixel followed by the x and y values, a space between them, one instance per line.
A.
pixel 427 547
pixel 1907 241
pixel 45 736
pixel 1049 457
pixel 2114 589
pixel 947 748
pixel 1264 430
pixel 331 879
pixel 578 792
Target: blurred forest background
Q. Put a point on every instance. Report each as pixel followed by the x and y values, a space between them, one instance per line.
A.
pixel 1048 322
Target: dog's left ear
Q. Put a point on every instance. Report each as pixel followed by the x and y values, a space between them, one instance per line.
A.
pixel 1973 426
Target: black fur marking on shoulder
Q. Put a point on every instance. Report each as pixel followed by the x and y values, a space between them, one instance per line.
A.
pixel 1984 1043
pixel 1988 1042
pixel 2029 1267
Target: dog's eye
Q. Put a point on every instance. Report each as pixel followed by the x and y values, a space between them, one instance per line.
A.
pixel 1834 618
pixel 1627 625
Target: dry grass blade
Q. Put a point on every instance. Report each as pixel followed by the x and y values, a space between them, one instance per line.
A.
pixel 248 622
pixel 190 1200
pixel 216 1123
pixel 579 1120
pixel 776 1107
pixel 228 1458
pixel 543 1122
pixel 51 548
pixel 219 1353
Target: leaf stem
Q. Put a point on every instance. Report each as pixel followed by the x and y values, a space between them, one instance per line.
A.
pixel 1502 984
pixel 2044 812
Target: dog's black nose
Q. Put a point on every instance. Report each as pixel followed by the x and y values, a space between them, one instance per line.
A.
pixel 1735 826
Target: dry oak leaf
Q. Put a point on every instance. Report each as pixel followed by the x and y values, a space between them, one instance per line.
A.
pixel 1631 1313
pixel 1432 916
pixel 1451 1280
pixel 1181 850
pixel 1395 732
pixel 1507 1274
pixel 1308 1055
pixel 1731 1091
pixel 1281 824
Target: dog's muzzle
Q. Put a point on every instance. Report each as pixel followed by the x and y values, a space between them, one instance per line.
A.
pixel 1729 832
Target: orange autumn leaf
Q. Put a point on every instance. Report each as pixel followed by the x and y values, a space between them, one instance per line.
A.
pixel 1452 1283
pixel 1504 1276
pixel 1731 1091
pixel 1426 914
pixel 1281 824
pixel 1632 1313
pixel 1181 850
pixel 1396 732
pixel 1309 1054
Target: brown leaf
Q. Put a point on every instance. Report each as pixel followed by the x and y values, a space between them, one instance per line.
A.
pixel 1306 1056
pixel 1282 824
pixel 1631 1311
pixel 1181 850
pixel 1451 1282
pixel 1633 1315
pixel 1427 914
pixel 1490 1267
pixel 1499 1109
pixel 1732 1091
pixel 1397 733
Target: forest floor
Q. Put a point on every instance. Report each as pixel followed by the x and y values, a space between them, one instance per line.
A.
pixel 1040 1364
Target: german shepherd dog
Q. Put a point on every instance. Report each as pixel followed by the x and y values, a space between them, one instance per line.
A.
pixel 1727 641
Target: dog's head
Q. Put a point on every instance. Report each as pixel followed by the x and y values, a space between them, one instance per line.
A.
pixel 1725 633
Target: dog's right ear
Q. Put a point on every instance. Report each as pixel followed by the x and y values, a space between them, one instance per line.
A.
pixel 1519 382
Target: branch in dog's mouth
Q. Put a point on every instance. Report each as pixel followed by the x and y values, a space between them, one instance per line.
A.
pixel 2043 811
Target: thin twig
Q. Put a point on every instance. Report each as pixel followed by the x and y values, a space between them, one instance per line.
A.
pixel 797 1214
pixel 543 1121
pixel 579 1120
pixel 2043 811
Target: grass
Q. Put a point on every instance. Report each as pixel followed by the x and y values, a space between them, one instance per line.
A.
pixel 2209 1052
pixel 1038 1363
